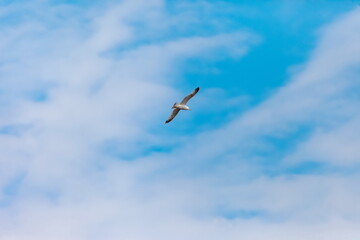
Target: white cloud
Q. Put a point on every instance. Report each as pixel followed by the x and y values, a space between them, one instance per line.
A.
pixel 96 88
pixel 99 88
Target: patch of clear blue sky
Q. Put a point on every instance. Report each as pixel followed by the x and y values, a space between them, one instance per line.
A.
pixel 289 32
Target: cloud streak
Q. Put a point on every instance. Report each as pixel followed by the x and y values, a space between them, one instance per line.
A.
pixel 78 142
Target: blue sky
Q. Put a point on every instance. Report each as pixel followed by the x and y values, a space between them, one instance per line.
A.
pixel 269 150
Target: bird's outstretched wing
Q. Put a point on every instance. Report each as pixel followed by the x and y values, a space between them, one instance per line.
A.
pixel 187 98
pixel 173 114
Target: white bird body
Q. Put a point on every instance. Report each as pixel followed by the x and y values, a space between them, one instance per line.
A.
pixel 181 106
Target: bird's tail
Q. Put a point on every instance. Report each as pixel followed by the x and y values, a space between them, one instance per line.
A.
pixel 173 106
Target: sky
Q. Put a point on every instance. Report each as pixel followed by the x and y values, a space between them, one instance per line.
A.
pixel 270 149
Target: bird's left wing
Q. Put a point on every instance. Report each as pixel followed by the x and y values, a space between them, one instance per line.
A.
pixel 173 114
pixel 187 98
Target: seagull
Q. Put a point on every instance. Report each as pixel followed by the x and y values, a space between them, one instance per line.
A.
pixel 181 106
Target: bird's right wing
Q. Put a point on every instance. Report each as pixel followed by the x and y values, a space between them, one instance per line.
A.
pixel 173 114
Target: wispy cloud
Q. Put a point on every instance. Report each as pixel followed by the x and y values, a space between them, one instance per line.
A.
pixel 99 82
pixel 80 96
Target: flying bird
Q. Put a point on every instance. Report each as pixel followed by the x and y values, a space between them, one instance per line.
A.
pixel 181 106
